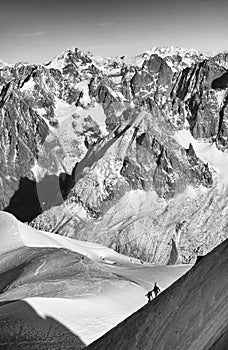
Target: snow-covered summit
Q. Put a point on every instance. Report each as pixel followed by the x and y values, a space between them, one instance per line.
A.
pixel 4 64
pixel 176 57
pixel 76 59
pixel 173 50
pixel 66 57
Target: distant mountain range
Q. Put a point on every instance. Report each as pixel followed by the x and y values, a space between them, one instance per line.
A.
pixel 130 152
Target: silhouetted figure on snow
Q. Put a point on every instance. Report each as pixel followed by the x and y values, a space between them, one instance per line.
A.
pixel 149 296
pixel 156 289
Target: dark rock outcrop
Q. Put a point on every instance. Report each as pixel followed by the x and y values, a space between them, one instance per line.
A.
pixel 23 131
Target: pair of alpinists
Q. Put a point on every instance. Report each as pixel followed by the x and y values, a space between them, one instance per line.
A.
pixel 156 290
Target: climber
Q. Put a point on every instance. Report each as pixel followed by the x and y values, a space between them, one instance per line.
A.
pixel 149 296
pixel 156 289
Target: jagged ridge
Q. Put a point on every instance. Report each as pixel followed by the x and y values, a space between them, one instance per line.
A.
pixel 84 118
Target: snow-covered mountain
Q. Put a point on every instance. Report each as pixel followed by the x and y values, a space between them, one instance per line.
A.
pixel 4 64
pixel 177 58
pixel 127 152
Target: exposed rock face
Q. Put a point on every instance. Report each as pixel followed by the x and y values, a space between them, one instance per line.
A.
pixel 157 65
pixel 155 76
pixel 22 132
pixel 104 130
pixel 151 165
pixel 221 59
pixel 199 171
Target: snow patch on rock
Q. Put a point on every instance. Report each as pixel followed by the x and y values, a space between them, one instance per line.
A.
pixel 29 85
pixel 207 152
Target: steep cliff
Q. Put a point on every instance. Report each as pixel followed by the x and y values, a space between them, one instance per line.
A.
pixel 118 149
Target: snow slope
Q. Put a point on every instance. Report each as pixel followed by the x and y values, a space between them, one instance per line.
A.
pixel 30 84
pixel 63 109
pixel 90 315
pixel 191 314
pixel 15 234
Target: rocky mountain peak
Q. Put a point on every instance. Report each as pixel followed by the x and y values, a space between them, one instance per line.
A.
pixel 70 57
pixel 119 149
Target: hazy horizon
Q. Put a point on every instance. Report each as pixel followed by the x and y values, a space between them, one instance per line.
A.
pixel 36 32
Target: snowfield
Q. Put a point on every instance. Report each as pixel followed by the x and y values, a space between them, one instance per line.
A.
pixel 207 152
pixel 190 315
pixel 89 315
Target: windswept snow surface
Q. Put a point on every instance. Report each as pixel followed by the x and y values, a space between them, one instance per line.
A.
pixel 15 234
pixel 190 315
pixel 90 316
